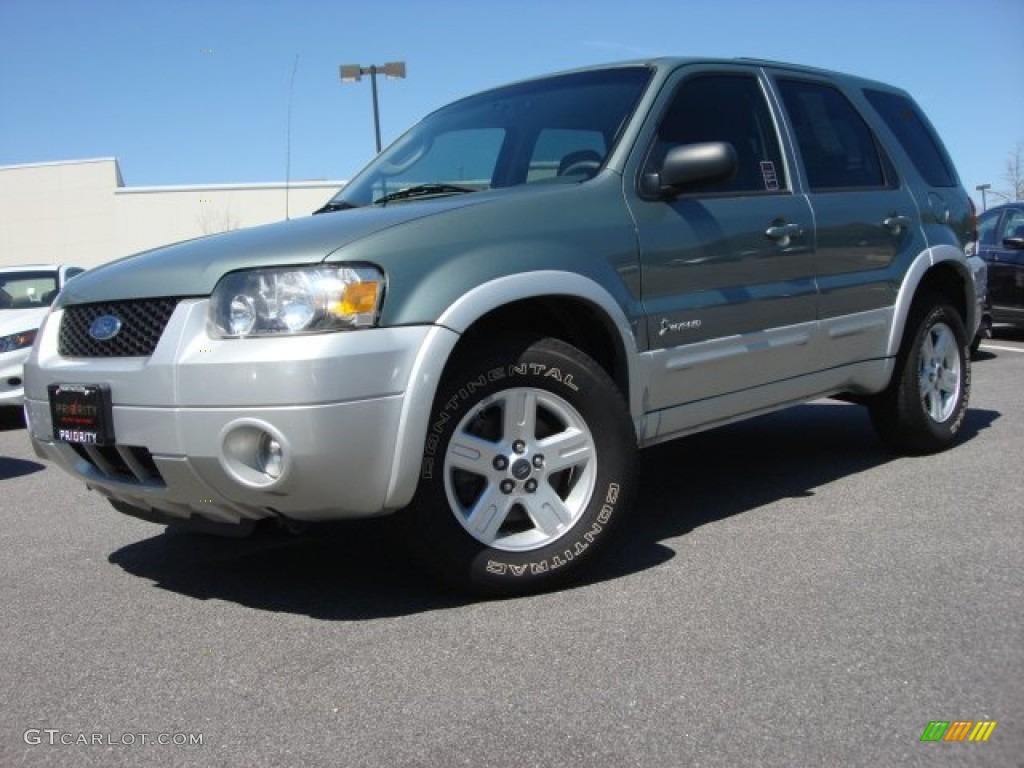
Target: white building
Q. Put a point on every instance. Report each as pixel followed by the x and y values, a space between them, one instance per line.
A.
pixel 80 212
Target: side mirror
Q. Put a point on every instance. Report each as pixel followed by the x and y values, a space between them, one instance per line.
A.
pixel 1014 243
pixel 692 165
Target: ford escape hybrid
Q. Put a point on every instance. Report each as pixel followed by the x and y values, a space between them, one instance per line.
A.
pixel 532 284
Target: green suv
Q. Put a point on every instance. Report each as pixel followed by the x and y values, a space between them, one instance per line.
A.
pixel 485 326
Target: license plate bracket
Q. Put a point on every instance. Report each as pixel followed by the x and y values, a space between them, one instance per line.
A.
pixel 81 413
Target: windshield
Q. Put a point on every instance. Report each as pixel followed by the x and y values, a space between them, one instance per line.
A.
pixel 25 290
pixel 559 128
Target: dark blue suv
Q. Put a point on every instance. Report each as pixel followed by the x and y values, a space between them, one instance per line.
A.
pixel 1001 245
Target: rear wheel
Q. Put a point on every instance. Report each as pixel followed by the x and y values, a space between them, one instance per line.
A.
pixel 528 463
pixel 925 404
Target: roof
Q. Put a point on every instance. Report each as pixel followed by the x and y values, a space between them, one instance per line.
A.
pixel 31 268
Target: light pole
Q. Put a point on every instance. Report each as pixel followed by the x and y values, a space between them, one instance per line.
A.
pixel 983 188
pixel 353 73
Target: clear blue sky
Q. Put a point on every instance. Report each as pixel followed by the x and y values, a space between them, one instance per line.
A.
pixel 194 92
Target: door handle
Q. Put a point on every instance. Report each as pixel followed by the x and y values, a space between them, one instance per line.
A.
pixel 781 233
pixel 896 223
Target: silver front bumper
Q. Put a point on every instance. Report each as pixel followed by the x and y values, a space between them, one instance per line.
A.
pixel 347 410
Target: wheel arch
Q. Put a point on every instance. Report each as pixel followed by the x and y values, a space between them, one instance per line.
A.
pixel 943 270
pixel 562 305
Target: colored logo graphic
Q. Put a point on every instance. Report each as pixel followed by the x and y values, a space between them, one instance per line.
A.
pixel 958 730
pixel 105 327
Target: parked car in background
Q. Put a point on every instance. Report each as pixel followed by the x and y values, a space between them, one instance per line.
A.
pixel 26 294
pixel 979 270
pixel 1001 245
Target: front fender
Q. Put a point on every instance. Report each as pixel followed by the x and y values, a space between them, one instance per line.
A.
pixel 503 291
pixel 456 320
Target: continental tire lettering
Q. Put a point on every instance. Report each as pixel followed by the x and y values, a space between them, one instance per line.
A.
pixel 545 372
pixel 556 374
pixel 613 493
pixel 496 374
pixel 557 561
pixel 955 426
pixel 472 386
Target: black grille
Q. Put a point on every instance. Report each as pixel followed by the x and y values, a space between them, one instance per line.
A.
pixel 126 463
pixel 142 322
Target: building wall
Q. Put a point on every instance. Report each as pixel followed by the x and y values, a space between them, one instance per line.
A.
pixel 58 212
pixel 81 213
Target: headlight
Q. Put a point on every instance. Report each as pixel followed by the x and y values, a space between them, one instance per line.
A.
pixel 17 341
pixel 292 300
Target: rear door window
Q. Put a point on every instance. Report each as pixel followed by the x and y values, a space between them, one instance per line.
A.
pixel 839 150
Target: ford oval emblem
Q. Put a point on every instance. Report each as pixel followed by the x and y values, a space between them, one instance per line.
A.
pixel 105 327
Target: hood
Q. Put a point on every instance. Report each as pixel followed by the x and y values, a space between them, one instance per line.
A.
pixel 193 267
pixel 20 320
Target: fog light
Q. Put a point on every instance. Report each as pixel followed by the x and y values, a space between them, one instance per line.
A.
pixel 271 456
pixel 255 454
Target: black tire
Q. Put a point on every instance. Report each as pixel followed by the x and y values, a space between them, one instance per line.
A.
pixel 925 404
pixel 491 446
pixel 976 344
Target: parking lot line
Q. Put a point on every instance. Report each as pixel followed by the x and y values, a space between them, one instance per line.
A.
pixel 1002 349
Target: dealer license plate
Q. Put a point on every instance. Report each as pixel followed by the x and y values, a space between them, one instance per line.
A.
pixel 81 413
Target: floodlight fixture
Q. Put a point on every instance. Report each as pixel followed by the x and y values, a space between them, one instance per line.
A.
pixel 353 73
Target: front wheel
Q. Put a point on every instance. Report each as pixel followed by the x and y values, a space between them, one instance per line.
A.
pixel 925 404
pixel 528 462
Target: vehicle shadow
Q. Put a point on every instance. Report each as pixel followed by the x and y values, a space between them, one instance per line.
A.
pixel 724 472
pixel 10 468
pixel 12 419
pixel 355 570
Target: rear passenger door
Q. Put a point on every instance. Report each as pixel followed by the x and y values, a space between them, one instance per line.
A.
pixel 867 224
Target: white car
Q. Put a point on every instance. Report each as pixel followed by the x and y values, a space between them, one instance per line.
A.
pixel 26 293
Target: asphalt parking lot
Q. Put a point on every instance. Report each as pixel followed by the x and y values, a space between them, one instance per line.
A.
pixel 787 594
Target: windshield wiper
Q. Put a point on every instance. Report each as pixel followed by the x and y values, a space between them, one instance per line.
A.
pixel 335 206
pixel 424 190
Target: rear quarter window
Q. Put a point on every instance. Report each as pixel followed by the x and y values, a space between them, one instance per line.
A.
pixel 916 136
